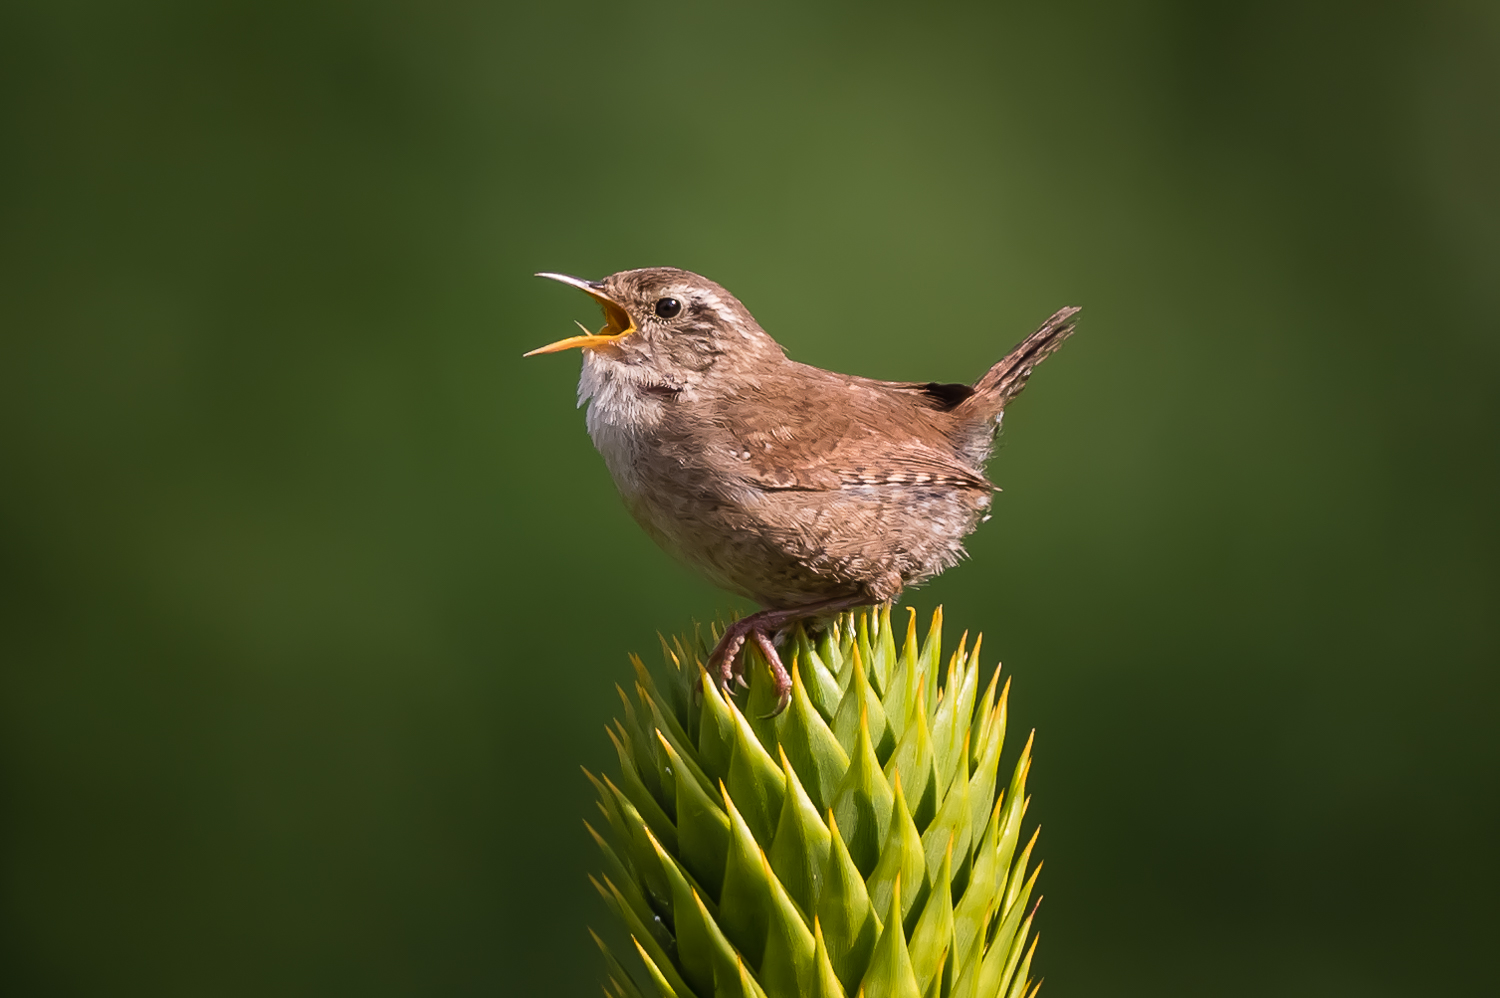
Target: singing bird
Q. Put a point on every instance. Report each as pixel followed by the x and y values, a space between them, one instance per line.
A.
pixel 805 490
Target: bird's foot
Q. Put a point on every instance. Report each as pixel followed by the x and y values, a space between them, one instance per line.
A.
pixel 726 663
pixel 761 626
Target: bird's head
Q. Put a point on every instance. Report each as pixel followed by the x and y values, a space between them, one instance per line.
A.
pixel 668 319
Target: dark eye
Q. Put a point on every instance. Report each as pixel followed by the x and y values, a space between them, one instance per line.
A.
pixel 667 308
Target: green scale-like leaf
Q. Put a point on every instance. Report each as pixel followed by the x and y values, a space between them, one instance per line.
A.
pixel 745 901
pixel 933 935
pixel 952 824
pixel 823 688
pixel 901 860
pixel 890 973
pixel 668 984
pixel 905 685
pixel 635 791
pixel 913 761
pixel 824 983
pixel 863 803
pixel 702 825
pixel 861 708
pixel 853 844
pixel 691 917
pixel 715 729
pixel 849 920
pixel 799 852
pixel 624 986
pixel 790 949
pixel 755 783
pixel 738 984
pixel 950 729
pixel 806 739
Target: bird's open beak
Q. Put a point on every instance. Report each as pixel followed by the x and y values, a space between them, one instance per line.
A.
pixel 617 321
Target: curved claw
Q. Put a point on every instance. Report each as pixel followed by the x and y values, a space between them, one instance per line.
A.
pixel 760 626
pixel 783 681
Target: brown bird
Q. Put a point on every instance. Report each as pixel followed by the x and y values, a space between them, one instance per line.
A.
pixel 807 491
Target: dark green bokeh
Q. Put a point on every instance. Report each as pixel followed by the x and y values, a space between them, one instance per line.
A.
pixel 314 592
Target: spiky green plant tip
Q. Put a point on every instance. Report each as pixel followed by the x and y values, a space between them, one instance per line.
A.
pixel 856 843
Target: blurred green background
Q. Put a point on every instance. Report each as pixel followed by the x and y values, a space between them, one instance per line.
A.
pixel 314 593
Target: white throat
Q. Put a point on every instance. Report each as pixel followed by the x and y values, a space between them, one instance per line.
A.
pixel 620 408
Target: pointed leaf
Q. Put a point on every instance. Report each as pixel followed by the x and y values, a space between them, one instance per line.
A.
pixel 1009 977
pixel 867 653
pixel 624 879
pixel 755 781
pixel 671 694
pixel 913 760
pixel 981 897
pixel 694 939
pixel 816 755
pixel 1013 891
pixel 1018 988
pixel 887 638
pixel 933 936
pixel 997 955
pixel 1010 826
pixel 665 979
pixel 969 963
pixel 709 939
pixel 983 715
pixel 644 937
pixel 890 974
pixel 830 651
pixel 715 729
pixel 610 810
pixel 637 847
pixel 952 822
pixel 897 695
pixel 910 657
pixel 799 853
pixel 633 736
pixel 790 948
pixel 822 681
pixel 950 727
pixel 660 764
pixel 849 922
pixel 825 983
pixel 669 731
pixel 929 659
pixel 761 706
pixel 863 803
pixel 636 793
pixel 702 827
pixel 861 705
pixel 901 860
pixel 737 983
pixel 624 984
pixel 745 900
pixel 982 780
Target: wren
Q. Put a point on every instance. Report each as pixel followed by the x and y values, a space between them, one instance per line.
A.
pixel 807 491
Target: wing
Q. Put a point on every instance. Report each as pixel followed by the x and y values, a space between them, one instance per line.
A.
pixel 842 432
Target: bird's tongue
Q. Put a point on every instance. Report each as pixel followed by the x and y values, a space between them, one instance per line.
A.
pixel 616 324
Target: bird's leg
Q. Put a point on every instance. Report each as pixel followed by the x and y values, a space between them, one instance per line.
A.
pixel 783 681
pixel 761 626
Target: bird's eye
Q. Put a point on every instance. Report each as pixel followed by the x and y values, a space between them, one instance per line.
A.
pixel 667 308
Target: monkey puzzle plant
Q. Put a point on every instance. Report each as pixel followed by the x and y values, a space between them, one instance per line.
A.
pixel 854 844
